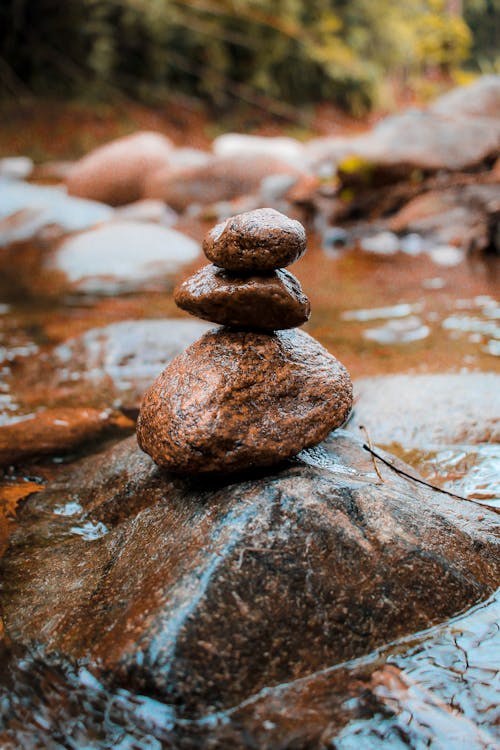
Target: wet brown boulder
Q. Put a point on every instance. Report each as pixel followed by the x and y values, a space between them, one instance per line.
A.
pixel 56 431
pixel 117 172
pixel 235 400
pixel 466 216
pixel 255 241
pixel 221 179
pixel 203 594
pixel 269 303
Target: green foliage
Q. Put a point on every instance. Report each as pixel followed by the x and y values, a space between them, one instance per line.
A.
pixel 289 51
pixel 483 18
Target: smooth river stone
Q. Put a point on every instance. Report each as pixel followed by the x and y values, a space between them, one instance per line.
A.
pixel 267 303
pixel 260 240
pixel 235 400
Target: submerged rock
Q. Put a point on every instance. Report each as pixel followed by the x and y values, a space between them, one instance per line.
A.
pixel 26 210
pixel 424 410
pixel 236 400
pixel 56 431
pixel 255 241
pixel 123 256
pixel 114 364
pixel 202 595
pixel 116 172
pixel 270 302
pixel 129 354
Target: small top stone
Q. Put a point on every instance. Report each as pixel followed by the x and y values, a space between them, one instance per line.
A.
pixel 256 241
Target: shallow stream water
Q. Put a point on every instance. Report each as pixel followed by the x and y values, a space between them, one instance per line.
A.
pixel 379 315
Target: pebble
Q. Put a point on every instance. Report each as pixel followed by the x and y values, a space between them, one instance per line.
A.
pixel 268 303
pixel 255 241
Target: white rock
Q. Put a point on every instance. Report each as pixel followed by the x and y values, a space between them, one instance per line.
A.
pixel 150 210
pixel 17 167
pixel 446 255
pixel 185 157
pixel 279 147
pixel 25 209
pixel 123 256
pixel 383 243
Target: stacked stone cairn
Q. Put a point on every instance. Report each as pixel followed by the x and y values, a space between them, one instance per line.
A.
pixel 256 390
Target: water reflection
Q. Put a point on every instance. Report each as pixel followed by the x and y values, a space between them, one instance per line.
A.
pixel 439 688
pixel 472 471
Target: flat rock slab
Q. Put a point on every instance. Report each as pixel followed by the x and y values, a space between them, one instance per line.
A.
pixel 429 140
pixel 203 594
pixel 56 431
pixel 479 99
pixel 425 410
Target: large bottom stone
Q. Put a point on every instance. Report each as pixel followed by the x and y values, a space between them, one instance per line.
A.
pixel 202 595
pixel 236 400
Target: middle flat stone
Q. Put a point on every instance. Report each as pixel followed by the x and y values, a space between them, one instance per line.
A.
pixel 267 303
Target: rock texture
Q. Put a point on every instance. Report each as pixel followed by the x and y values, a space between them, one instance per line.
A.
pixel 236 400
pixel 203 594
pixel 260 240
pixel 269 303
pixel 116 172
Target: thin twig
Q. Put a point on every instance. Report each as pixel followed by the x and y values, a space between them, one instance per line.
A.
pixel 362 427
pixel 415 479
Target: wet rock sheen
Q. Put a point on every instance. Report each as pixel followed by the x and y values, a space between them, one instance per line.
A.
pixel 260 240
pixel 235 400
pixel 270 302
pixel 204 593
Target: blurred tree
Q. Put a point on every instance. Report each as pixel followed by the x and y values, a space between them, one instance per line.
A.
pixel 483 18
pixel 288 51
